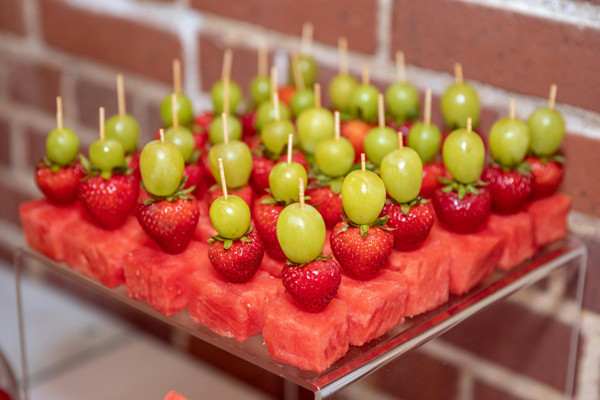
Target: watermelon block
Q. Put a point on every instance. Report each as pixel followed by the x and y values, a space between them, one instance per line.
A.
pixel 173 395
pixel 161 279
pixel 99 253
pixel 472 256
pixel 231 309
pixel 549 218
pixel 43 224
pixel 204 229
pixel 517 232
pixel 427 272
pixel 272 266
pixel 374 306
pixel 309 341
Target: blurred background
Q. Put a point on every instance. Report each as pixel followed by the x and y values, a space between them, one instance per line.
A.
pixel 511 48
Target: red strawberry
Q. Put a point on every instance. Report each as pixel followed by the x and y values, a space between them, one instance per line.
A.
pixel 430 182
pixel 410 228
pixel 253 142
pixel 462 215
pixel 59 186
pixel 361 257
pixel 245 192
pixel 547 176
pixel 248 119
pixel 133 163
pixel 109 201
pixel 356 131
pixel 510 190
pixel 259 178
pixel 195 177
pixel 204 120
pixel 237 260
pixel 265 213
pixel 327 203
pixel 170 223
pixel 200 140
pixel 313 285
pixel 297 156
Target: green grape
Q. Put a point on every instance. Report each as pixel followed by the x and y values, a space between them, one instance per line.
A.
pixel 183 139
pixel 308 69
pixel 363 196
pixel 283 180
pixel 107 154
pixel 185 113
pixel 302 100
pixel 402 100
pixel 237 162
pixel 464 154
pixel 402 174
pixel 274 135
pixel 509 141
pixel 234 129
pixel 379 142
pixel 341 89
pixel 62 146
pixel 260 89
pixel 217 93
pixel 459 102
pixel 547 127
pixel 230 216
pixel 363 103
pixel 314 125
pixel 161 167
pixel 301 233
pixel 334 157
pixel 425 139
pixel 266 113
pixel 125 129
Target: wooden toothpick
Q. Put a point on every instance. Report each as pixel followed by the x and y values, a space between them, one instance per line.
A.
pixel 296 71
pixel 363 162
pixel 365 74
pixel 177 76
pixel 226 69
pixel 263 57
pixel 552 98
pixel 121 95
pixel 511 109
pixel 101 123
pixel 275 97
pixel 290 146
pixel 400 67
pixel 59 112
pixel 400 140
pixel 458 72
pixel 307 37
pixel 469 125
pixel 274 80
pixel 380 111
pixel 174 114
pixel 226 95
pixel 222 175
pixel 317 94
pixel 343 55
pixel 336 116
pixel 427 111
pixel 225 130
pixel 301 192
pixel 161 133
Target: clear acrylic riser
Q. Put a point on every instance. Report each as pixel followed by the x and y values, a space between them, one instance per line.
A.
pixel 359 362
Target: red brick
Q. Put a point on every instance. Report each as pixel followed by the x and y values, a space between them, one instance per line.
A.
pixel 122 43
pixel 354 19
pixel 9 203
pixel 483 391
pixel 35 141
pixel 518 339
pixel 581 174
pixel 4 142
pixel 11 17
pixel 32 83
pixel 91 96
pixel 507 49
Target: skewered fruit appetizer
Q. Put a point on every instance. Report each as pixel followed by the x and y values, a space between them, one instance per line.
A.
pixel 402 97
pixel 306 64
pixel 183 105
pixel 225 88
pixel 122 126
pixel 180 136
pixel 342 86
pixel 260 86
pixel 274 134
pixel 360 244
pixel 509 182
pixel 363 104
pixel 109 192
pixel 58 174
pixel 234 126
pixel 459 102
pixel 266 111
pixel 303 97
pixel 464 204
pixel 314 124
pixel 237 251
pixel 167 212
pixel 409 215
pixel 283 179
pixel 380 140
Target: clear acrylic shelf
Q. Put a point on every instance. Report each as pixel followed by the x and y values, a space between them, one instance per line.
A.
pixel 359 361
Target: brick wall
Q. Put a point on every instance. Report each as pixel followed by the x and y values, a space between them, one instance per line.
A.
pixel 512 48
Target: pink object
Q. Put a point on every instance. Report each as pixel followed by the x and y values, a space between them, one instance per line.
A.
pixel 549 218
pixel 517 232
pixel 173 395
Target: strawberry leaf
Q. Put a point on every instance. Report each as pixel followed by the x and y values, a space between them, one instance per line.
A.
pixel 364 231
pixel 227 244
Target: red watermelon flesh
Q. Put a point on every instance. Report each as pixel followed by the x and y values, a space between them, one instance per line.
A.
pixel 517 232
pixel 472 256
pixel 173 395
pixel 98 253
pixel 231 309
pixel 427 272
pixel 43 224
pixel 374 306
pixel 272 266
pixel 549 218
pixel 309 341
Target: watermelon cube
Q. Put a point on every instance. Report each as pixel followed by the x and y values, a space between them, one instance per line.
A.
pixel 549 218
pixel 272 266
pixel 427 272
pixel 231 309
pixel 375 306
pixel 472 256
pixel 517 232
pixel 173 395
pixel 309 341
pixel 99 253
pixel 204 229
pixel 43 224
pixel 161 279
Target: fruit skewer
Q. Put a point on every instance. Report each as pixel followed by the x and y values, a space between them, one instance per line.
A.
pixel 402 97
pixel 342 86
